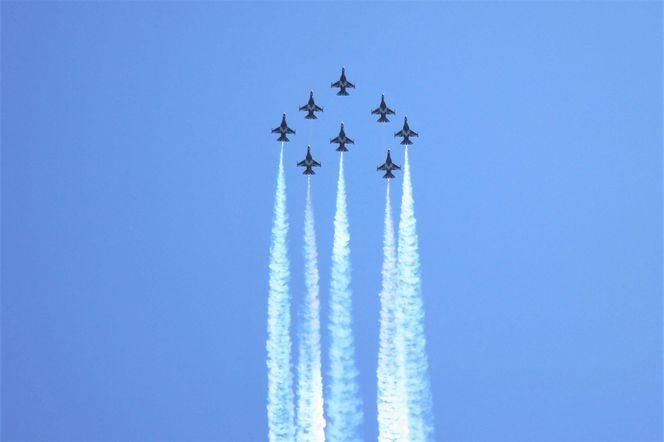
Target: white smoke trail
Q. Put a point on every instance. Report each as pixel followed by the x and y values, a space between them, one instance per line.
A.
pixel 343 404
pixel 392 411
pixel 310 419
pixel 415 376
pixel 280 382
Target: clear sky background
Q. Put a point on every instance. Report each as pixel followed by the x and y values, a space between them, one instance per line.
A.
pixel 138 175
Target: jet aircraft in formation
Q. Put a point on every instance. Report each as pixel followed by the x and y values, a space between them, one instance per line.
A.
pixel 388 166
pixel 283 129
pixel 343 83
pixel 311 107
pixel 308 162
pixel 406 133
pixel 382 110
pixel 342 140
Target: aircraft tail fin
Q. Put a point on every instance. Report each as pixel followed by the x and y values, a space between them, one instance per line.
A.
pixel 343 92
pixel 383 119
pixel 388 175
pixel 342 148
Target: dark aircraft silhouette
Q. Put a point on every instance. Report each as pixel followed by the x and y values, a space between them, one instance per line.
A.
pixel 382 110
pixel 308 162
pixel 283 129
pixel 311 107
pixel 342 140
pixel 406 133
pixel 388 166
pixel 342 84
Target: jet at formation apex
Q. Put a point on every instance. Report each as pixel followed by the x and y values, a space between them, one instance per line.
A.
pixel 388 166
pixel 311 107
pixel 342 140
pixel 406 133
pixel 283 129
pixel 343 83
pixel 308 162
pixel 382 110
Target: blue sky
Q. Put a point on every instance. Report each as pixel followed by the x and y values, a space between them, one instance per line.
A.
pixel 138 173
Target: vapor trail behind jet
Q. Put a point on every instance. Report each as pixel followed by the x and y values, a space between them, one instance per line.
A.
pixel 280 382
pixel 343 404
pixel 310 419
pixel 415 377
pixel 392 411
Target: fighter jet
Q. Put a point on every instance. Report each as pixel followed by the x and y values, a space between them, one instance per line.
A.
pixel 388 166
pixel 382 110
pixel 283 129
pixel 406 133
pixel 308 162
pixel 342 84
pixel 311 107
pixel 342 140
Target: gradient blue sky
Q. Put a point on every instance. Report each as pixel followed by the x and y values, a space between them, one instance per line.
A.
pixel 138 173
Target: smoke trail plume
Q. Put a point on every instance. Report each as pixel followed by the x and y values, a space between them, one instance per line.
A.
pixel 415 376
pixel 392 411
pixel 280 382
pixel 343 404
pixel 310 419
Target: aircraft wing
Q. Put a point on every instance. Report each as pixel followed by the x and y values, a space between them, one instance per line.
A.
pixel 395 167
pixel 336 84
pixel 349 84
pixel 375 111
pixel 381 167
pixel 414 134
pixel 399 134
pixel 302 163
pixel 389 111
pixel 349 141
pixel 335 140
pixel 289 130
pixel 303 108
pixel 276 130
pixel 317 108
pixel 315 163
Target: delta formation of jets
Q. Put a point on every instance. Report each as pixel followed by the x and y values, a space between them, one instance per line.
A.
pixel 342 139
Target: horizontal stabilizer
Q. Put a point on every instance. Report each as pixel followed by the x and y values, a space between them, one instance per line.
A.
pixel 388 175
pixel 383 119
pixel 342 148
